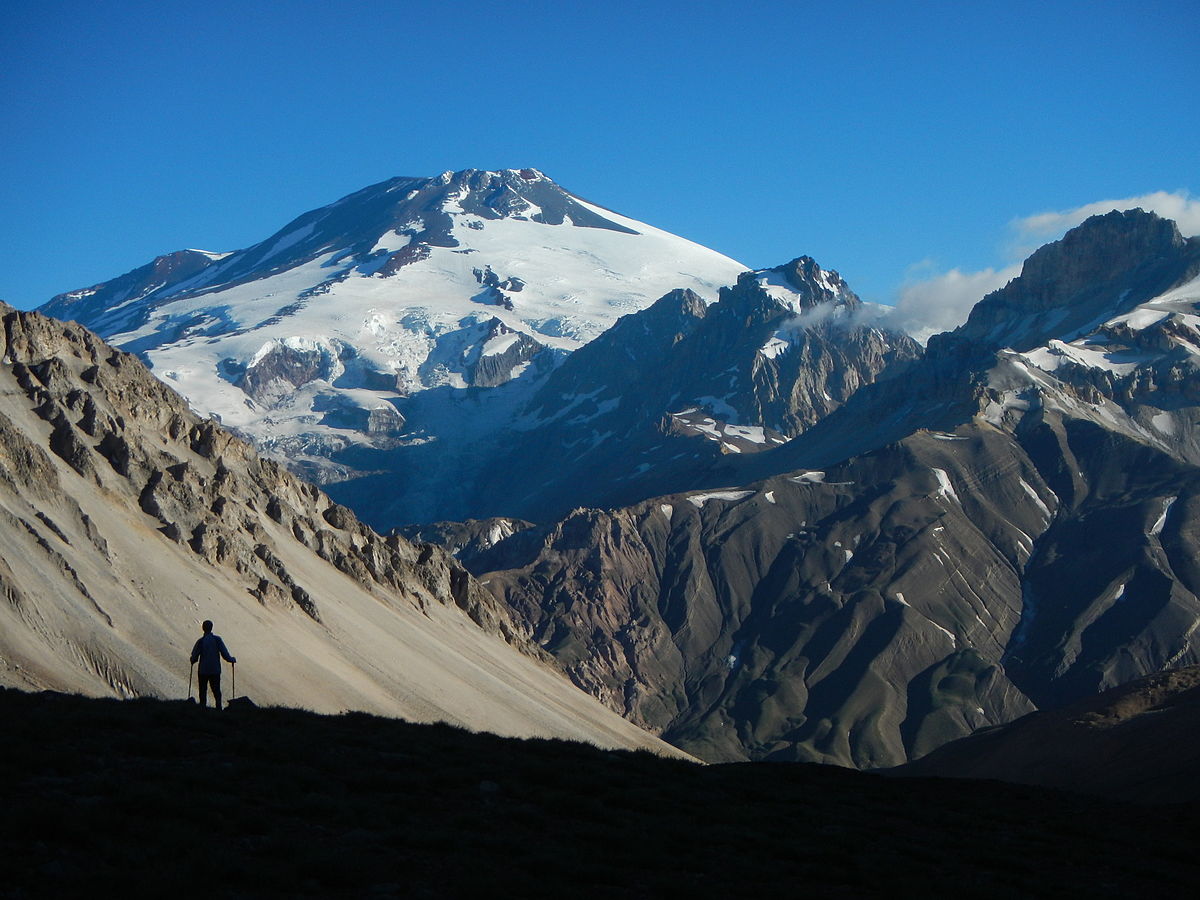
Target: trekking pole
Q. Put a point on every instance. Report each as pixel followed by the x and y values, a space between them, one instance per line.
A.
pixel 191 669
pixel 233 690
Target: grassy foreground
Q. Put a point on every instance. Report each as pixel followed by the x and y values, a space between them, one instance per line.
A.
pixel 145 797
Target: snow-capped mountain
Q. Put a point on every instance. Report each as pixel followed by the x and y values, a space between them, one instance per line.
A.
pixel 318 340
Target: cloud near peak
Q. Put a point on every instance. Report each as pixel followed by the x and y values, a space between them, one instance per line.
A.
pixel 943 301
pixel 1180 206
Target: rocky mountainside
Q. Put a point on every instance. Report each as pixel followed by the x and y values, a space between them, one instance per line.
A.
pixel 125 519
pixel 415 312
pixel 667 392
pixel 997 530
pixel 1134 742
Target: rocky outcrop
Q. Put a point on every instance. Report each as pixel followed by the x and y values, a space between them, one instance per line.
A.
pixel 500 356
pixel 1106 266
pixel 275 373
pixel 481 545
pixel 112 422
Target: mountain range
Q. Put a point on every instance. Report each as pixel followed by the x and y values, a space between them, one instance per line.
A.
pixel 1008 525
pixel 735 506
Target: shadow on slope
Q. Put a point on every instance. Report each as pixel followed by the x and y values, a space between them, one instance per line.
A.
pixel 102 795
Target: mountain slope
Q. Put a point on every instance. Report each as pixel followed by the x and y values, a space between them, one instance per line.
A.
pixel 996 529
pixel 125 519
pixel 1133 742
pixel 853 616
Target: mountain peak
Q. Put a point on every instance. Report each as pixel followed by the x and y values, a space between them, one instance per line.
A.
pixel 1102 247
pixel 797 287
pixel 1100 269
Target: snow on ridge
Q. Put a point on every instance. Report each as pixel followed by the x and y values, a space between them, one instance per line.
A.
pixel 500 343
pixel 1157 527
pixel 1119 362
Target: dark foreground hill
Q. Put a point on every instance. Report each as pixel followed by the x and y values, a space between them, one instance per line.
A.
pixel 1133 742
pixel 151 797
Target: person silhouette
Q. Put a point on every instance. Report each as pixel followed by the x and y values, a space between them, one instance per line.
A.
pixel 208 651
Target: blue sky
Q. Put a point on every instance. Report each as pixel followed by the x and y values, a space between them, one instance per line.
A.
pixel 899 143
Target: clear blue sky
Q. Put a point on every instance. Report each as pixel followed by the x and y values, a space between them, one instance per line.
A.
pixel 881 138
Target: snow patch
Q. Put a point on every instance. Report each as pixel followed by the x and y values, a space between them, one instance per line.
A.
pixel 699 500
pixel 945 487
pixel 390 242
pixel 1033 495
pixel 500 343
pixel 773 347
pixel 1164 423
pixel 1157 527
pixel 289 240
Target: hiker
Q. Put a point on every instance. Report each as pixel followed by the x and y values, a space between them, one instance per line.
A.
pixel 209 650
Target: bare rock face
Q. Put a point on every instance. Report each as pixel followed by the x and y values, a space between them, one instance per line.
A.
pixel 855 616
pixel 669 390
pixel 1105 266
pixel 282 369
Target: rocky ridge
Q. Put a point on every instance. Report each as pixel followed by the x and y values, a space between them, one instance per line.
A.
pixel 668 391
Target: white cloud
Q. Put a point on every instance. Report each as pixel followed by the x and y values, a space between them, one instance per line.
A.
pixel 943 302
pixel 1048 226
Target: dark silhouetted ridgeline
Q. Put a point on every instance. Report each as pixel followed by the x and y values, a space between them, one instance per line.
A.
pixel 146 797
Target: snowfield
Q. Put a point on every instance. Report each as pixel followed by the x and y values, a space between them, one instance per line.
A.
pixel 395 326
